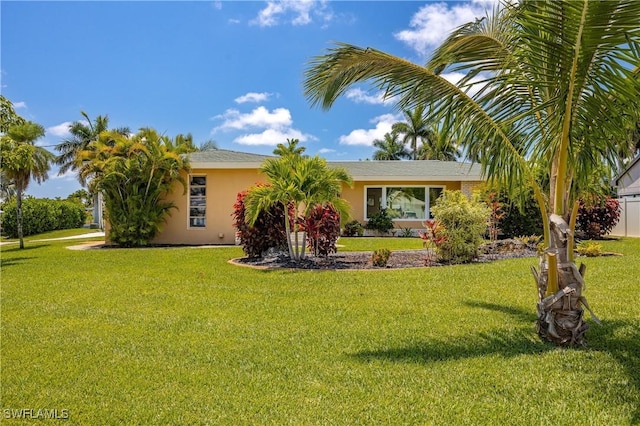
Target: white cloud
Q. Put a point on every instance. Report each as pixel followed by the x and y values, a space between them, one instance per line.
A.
pixel 61 130
pixel 217 5
pixel 360 96
pixel 454 77
pixel 299 12
pixel 259 117
pixel 253 97
pixel 435 21
pixel 272 137
pixel 326 150
pixel 19 105
pixel 69 175
pixel 366 137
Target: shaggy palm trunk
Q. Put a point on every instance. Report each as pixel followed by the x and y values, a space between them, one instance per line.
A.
pixel 560 287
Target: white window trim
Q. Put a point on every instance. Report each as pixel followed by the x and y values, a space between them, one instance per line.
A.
pixel 189 203
pixel 384 198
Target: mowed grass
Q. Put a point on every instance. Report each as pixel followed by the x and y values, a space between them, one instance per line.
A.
pixel 180 336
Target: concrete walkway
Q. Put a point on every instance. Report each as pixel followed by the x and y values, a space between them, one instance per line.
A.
pixel 73 237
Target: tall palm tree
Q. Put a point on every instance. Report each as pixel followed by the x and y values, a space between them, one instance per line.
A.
pixel 556 73
pixel 442 145
pixel 83 133
pixel 390 148
pixel 301 181
pixel 415 128
pixel 135 173
pixel 21 160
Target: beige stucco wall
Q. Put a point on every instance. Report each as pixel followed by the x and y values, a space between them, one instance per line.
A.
pixel 223 186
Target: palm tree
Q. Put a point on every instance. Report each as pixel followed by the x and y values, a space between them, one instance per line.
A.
pixel 134 174
pixel 554 73
pixel 416 128
pixel 22 161
pixel 290 149
pixel 83 133
pixel 442 145
pixel 298 181
pixel 390 148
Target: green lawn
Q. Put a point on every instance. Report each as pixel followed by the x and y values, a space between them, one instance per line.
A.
pixel 180 336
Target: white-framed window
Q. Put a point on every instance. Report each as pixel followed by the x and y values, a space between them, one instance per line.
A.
pixel 403 202
pixel 197 201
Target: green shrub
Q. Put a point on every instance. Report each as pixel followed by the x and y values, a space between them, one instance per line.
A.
pixel 41 215
pixel 380 257
pixel 380 221
pixel 463 223
pixel 353 229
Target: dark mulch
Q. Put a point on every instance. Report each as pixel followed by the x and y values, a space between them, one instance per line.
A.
pixel 362 260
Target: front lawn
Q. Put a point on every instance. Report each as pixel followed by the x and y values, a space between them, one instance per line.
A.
pixel 179 336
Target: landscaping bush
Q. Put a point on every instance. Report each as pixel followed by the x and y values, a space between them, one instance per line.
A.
pixel 463 222
pixel 353 229
pixel 41 215
pixel 589 249
pixel 596 218
pixel 322 226
pixel 380 221
pixel 268 232
pixel 380 257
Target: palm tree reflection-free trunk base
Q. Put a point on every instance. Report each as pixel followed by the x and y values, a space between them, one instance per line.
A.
pixel 560 287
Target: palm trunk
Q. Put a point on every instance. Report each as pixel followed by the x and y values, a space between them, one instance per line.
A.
pixel 560 287
pixel 19 215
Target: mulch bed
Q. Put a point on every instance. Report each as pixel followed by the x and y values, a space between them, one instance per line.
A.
pixel 362 260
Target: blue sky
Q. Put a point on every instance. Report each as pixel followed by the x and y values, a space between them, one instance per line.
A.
pixel 231 71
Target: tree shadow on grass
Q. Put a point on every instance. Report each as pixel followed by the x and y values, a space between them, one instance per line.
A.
pixel 13 261
pixel 619 339
pixel 512 342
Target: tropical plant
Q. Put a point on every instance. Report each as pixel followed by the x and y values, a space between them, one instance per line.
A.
pixel 416 128
pixel 208 145
pixel 21 161
pixel 442 145
pixel 390 148
pixel 82 134
pixel 134 174
pixel 597 218
pixel 380 257
pixel 322 227
pixel 302 181
pixel 267 232
pixel 558 90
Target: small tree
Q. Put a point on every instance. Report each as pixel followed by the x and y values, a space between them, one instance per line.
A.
pixel 301 181
pixel 463 222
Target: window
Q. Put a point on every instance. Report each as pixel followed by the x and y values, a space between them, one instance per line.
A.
pixel 403 203
pixel 197 201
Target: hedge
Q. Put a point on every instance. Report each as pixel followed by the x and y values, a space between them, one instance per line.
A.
pixel 41 215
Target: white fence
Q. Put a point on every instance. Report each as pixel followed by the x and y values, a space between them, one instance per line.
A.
pixel 629 225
